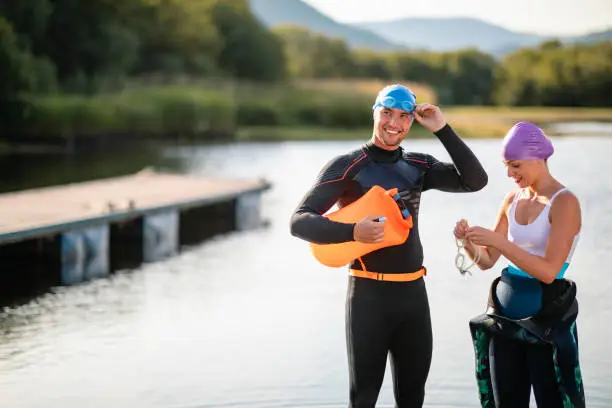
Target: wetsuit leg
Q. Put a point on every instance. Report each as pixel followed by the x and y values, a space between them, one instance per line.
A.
pixel 509 373
pixel 367 340
pixel 411 344
pixel 543 377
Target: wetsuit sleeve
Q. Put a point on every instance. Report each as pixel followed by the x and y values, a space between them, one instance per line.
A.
pixel 308 222
pixel 464 174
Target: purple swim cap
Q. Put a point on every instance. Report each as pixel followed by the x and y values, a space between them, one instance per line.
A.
pixel 526 141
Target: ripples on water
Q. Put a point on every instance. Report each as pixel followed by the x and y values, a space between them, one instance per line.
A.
pixel 251 320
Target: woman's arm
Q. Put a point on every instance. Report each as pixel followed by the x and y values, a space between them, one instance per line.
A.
pixel 566 221
pixel 489 255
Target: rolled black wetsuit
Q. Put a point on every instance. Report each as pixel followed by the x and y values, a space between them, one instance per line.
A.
pixel 539 352
pixel 382 316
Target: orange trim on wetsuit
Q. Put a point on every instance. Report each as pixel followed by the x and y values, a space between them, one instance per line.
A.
pixel 389 277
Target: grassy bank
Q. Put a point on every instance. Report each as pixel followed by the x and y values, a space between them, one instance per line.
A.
pixel 148 111
pixel 194 111
pixel 486 121
pixel 304 110
pixel 469 122
pixel 279 133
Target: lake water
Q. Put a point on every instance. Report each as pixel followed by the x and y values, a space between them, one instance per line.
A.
pixel 252 320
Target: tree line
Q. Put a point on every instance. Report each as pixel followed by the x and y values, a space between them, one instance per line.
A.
pixel 72 46
pixel 552 74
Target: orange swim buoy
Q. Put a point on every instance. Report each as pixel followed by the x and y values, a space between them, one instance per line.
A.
pixel 376 201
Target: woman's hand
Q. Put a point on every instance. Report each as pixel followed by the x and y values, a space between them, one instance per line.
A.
pixel 460 229
pixel 485 237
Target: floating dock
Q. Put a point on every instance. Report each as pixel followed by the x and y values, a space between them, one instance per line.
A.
pixel 68 234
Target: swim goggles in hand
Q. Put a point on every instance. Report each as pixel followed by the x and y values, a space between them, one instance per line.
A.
pixel 460 258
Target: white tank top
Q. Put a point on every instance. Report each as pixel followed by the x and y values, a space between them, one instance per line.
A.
pixel 533 237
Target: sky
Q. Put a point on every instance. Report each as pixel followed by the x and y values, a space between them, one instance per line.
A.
pixel 547 17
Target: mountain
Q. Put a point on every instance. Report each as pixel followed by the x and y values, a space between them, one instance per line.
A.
pixel 433 34
pixel 593 37
pixel 274 13
pixel 448 34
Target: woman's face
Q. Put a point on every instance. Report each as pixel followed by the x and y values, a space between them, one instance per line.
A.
pixel 525 173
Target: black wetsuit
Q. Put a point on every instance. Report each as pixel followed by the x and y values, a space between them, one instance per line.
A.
pixel 514 355
pixel 382 316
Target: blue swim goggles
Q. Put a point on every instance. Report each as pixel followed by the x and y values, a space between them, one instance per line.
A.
pixel 390 102
pixel 396 96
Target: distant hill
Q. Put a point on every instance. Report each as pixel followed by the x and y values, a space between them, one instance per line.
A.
pixel 274 13
pixel 433 34
pixel 593 37
pixel 448 34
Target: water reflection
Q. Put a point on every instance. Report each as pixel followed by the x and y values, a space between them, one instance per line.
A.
pixel 22 171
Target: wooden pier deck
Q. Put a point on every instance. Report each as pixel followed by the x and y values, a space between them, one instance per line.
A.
pixel 25 214
pixel 69 234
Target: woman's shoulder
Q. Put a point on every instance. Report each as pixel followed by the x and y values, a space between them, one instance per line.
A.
pixel 565 209
pixel 509 198
pixel 565 198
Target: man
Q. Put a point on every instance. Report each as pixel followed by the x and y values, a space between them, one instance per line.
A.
pixel 387 311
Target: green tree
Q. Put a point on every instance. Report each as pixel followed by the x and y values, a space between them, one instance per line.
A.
pixel 369 64
pixel 554 74
pixel 248 50
pixel 175 36
pixel 312 55
pixel 471 76
pixel 18 76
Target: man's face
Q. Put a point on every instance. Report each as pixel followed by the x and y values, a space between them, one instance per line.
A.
pixel 391 127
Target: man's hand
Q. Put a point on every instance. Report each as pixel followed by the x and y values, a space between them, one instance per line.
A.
pixel 429 116
pixel 369 230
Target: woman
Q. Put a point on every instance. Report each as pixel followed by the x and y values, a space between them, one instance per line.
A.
pixel 528 336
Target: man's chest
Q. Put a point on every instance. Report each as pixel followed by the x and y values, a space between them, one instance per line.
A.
pixel 400 175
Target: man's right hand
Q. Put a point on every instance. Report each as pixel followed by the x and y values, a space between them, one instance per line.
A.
pixel 369 230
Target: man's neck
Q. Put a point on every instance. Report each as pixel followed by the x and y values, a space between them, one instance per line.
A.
pixel 382 155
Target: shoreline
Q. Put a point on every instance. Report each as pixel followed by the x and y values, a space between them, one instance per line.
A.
pixel 470 122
